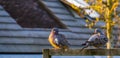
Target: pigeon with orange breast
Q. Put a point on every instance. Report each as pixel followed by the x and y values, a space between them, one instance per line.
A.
pixel 57 40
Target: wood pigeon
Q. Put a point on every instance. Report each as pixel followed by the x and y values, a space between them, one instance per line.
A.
pixel 97 40
pixel 58 41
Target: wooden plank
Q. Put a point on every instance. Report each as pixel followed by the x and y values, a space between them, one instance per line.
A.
pixel 35 41
pixel 80 23
pixel 82 30
pixel 46 53
pixel 118 10
pixel 81 4
pixel 9 26
pixel 85 52
pixel 35 29
pixel 74 23
pixel 1 8
pixel 12 48
pixel 65 2
pixel 90 31
pixel 44 33
pixel 3 13
pixel 40 34
pixel 64 17
pixel 98 24
pixel 24 33
pixel 52 0
pixel 59 10
pixel 22 48
pixel 52 4
pixel 85 30
pixel 7 19
pixel 15 40
pixel 73 13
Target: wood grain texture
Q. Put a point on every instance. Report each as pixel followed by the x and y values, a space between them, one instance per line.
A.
pixel 86 52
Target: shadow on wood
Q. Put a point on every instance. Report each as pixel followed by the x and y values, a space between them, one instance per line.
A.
pixel 47 53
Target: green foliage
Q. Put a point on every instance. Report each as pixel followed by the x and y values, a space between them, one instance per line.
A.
pixel 107 12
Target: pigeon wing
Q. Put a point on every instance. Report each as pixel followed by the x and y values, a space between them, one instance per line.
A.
pixel 63 41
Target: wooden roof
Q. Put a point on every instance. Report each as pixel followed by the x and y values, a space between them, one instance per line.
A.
pixel 14 38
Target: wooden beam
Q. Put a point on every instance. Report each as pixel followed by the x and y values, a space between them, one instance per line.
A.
pixel 78 52
pixel 46 53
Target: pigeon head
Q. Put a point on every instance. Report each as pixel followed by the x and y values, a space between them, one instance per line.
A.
pixel 98 30
pixel 55 30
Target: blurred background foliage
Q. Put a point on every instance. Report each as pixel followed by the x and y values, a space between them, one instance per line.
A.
pixel 105 11
pixel 110 14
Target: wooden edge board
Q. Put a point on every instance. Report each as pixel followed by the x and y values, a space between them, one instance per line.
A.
pixel 85 52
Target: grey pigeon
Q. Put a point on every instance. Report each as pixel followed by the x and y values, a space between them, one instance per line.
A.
pixel 97 40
